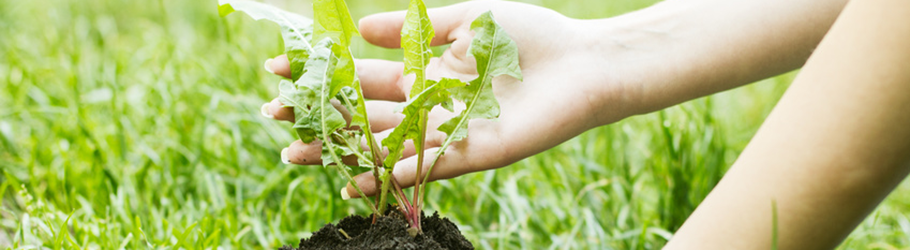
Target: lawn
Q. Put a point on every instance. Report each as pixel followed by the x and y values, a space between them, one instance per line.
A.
pixel 135 124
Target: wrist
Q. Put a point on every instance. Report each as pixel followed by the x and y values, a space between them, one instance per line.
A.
pixel 626 55
pixel 676 51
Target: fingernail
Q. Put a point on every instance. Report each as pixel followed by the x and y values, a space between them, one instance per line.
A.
pixel 265 111
pixel 284 156
pixel 268 66
pixel 344 194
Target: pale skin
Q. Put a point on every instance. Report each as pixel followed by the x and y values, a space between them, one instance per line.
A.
pixel 835 145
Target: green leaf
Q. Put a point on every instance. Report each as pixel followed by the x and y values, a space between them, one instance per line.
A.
pixel 331 153
pixel 359 114
pixel 291 96
pixel 320 72
pixel 496 54
pixel 344 75
pixel 438 93
pixel 295 29
pixel 333 20
pixel 416 34
pixel 346 88
pixel 311 97
pixel 350 145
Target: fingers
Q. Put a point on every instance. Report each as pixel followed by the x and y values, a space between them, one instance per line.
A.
pixel 279 66
pixel 406 170
pixel 308 154
pixel 482 150
pixel 381 113
pixel 384 29
pixel 276 110
pixel 434 139
pixel 382 121
pixel 379 79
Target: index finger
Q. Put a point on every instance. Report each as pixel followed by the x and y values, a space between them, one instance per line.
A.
pixel 384 29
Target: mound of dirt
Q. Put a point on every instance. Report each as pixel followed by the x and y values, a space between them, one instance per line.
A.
pixel 389 232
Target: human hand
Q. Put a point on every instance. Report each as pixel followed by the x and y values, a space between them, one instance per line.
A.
pixel 562 95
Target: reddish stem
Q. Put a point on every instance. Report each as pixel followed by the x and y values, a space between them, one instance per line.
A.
pixel 400 192
pixel 411 213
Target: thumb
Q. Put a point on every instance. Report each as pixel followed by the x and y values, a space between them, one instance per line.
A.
pixel 384 29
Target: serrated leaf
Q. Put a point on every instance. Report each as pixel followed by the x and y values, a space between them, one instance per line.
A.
pixel 328 151
pixel 315 115
pixel 291 96
pixel 351 143
pixel 295 29
pixel 320 73
pixel 344 72
pixel 347 142
pixel 437 93
pixel 346 88
pixel 494 50
pixel 333 20
pixel 359 114
pixel 297 57
pixel 416 34
pixel 496 54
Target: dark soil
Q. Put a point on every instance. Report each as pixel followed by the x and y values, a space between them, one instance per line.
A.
pixel 389 232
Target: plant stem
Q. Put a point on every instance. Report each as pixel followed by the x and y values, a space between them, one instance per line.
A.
pixel 400 202
pixel 328 142
pixel 380 209
pixel 384 192
pixel 374 147
pixel 399 191
pixel 356 187
pixel 419 146
pixel 422 128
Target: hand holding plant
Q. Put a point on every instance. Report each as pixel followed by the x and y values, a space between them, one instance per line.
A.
pixel 325 84
pixel 557 99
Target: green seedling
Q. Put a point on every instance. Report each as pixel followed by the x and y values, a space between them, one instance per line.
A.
pixel 324 78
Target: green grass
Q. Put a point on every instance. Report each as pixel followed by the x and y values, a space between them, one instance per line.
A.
pixel 135 125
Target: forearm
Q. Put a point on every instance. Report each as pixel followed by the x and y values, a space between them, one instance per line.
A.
pixel 679 50
pixel 833 148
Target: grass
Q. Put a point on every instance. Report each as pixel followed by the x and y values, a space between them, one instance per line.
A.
pixel 129 125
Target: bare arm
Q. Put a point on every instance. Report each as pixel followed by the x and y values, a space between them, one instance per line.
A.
pixel 836 144
pixel 680 50
pixel 580 74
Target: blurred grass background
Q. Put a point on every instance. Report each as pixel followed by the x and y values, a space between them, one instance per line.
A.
pixel 135 124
